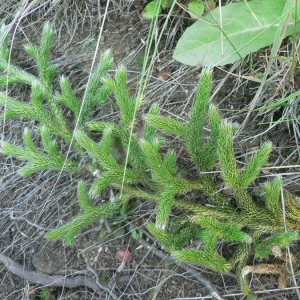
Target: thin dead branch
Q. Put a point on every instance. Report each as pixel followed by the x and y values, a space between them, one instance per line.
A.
pixel 54 280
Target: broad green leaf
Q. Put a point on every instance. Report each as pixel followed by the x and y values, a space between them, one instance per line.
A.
pixel 196 8
pixel 151 10
pixel 246 27
pixel 166 3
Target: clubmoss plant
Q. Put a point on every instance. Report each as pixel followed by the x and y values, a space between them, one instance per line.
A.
pixel 44 293
pixel 134 165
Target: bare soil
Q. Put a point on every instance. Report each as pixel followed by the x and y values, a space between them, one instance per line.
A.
pixel 31 206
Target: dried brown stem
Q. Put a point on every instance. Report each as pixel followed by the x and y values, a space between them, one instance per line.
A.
pixel 53 280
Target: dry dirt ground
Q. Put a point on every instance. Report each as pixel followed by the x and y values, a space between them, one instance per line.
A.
pixel 31 206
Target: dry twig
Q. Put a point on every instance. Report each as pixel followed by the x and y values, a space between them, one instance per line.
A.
pixel 210 287
pixel 54 280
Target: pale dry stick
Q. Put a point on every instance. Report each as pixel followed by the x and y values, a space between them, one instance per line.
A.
pixel 12 217
pixel 210 287
pixel 288 248
pixel 54 280
pixel 106 288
